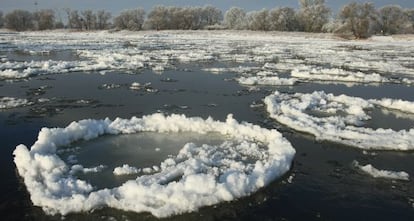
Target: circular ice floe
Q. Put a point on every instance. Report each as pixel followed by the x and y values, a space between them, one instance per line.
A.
pixel 198 176
pixel 339 119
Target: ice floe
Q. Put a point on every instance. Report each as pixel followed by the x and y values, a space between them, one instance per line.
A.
pixel 386 174
pixel 338 119
pixel 197 176
pixel 311 58
pixel 266 78
pixel 336 75
pixel 11 102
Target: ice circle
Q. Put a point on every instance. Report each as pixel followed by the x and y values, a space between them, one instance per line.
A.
pixel 340 119
pixel 198 176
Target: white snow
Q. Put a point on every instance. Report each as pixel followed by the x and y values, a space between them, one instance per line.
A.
pixel 303 56
pixel 336 75
pixel 386 174
pixel 79 168
pixel 11 102
pixel 338 119
pixel 266 78
pixel 198 176
pixel 125 170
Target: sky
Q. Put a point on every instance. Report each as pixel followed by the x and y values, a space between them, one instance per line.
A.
pixel 116 6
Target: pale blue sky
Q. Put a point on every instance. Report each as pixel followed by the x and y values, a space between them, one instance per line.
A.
pixel 115 6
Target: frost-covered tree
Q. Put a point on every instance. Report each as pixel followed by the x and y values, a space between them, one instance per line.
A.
pixel 235 18
pixel 132 19
pixel 44 19
pixel 158 17
pixel 89 19
pixel 191 18
pixel 392 20
pixel 357 19
pixel 103 19
pixel 1 19
pixel 188 18
pixel 19 20
pixel 74 19
pixel 211 15
pixel 258 20
pixel 313 15
pixel 409 13
pixel 283 19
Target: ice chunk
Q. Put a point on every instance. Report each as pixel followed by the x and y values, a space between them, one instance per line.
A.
pixel 125 170
pixel 386 174
pixel 338 119
pixel 336 74
pixel 11 102
pixel 198 176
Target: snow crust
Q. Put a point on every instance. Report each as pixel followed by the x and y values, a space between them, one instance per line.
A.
pixel 198 176
pixel 386 174
pixel 302 56
pixel 339 119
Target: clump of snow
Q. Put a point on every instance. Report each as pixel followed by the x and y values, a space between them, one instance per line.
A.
pixel 336 118
pixel 198 176
pixel 125 170
pixel 11 102
pixel 386 174
pixel 79 168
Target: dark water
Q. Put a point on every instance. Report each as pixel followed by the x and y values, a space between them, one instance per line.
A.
pixel 325 186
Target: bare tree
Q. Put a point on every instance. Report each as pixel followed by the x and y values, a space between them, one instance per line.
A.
pixel 357 19
pixel 103 19
pixel 235 18
pixel 19 20
pixel 313 15
pixel 44 19
pixel 130 19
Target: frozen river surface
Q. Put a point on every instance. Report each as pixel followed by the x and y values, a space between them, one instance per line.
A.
pixel 205 125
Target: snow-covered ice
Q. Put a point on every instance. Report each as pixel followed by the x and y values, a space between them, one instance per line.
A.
pixel 11 102
pixel 266 78
pixel 339 119
pixel 304 57
pixel 386 174
pixel 198 176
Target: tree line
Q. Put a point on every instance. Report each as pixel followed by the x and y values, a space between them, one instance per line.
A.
pixel 358 20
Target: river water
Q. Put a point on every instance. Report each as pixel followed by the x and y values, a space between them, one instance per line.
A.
pixel 322 184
